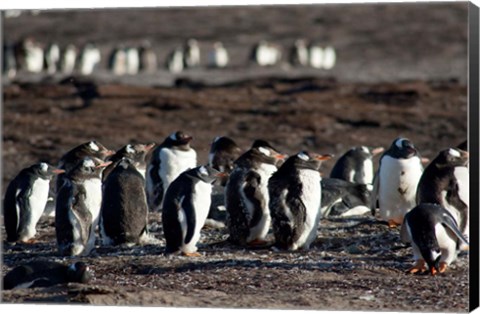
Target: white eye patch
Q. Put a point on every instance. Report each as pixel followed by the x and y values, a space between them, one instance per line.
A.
pixel 93 146
pixel 203 171
pixel 216 139
pixel 173 136
pixel 88 163
pixel 399 142
pixel 303 156
pixel 365 149
pixel 43 166
pixel 454 152
pixel 130 149
pixel 264 151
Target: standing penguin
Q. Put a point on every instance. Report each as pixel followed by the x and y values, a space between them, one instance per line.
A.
pixel 90 57
pixel 295 200
pixel 246 194
pixel 218 56
pixel 133 60
pixel 52 58
pixel 148 58
pixel 192 53
pixel 45 274
pixel 25 200
pixel 78 206
pixel 124 205
pixel 117 62
pixel 174 61
pixel 168 160
pixel 445 181
pixel 395 184
pixel 434 235
pixel 356 165
pixel 130 151
pixel 186 207
pixel 69 59
pixel 299 53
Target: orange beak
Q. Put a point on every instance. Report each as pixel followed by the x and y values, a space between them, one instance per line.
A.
pixel 324 157
pixel 377 151
pixel 149 147
pixel 58 171
pixel 103 164
pixel 280 156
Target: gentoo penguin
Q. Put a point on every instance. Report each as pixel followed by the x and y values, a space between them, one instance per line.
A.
pixel 218 56
pixel 124 205
pixel 131 151
pixel 315 56
pixel 192 54
pixel 295 199
pixel 69 59
pixel 343 198
pixel 77 208
pixel 33 54
pixel 246 194
pixel 167 161
pixel 356 165
pixel 266 53
pixel 90 57
pixel 133 61
pixel 52 58
pixel 148 58
pixel 45 274
pixel 25 200
pixel 445 181
pixel 118 61
pixel 434 235
pixel 299 53
pixel 186 207
pixel 9 61
pixel 395 184
pixel 175 61
pixel 329 58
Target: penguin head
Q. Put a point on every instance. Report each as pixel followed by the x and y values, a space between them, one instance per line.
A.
pixel 265 153
pixel 178 139
pixel 206 173
pixel 136 152
pixel 402 148
pixel 89 167
pixel 223 143
pixel 45 171
pixel 93 149
pixel 79 272
pixel 307 160
pixel 451 157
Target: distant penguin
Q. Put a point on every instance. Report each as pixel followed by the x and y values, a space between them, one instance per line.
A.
pixel 9 60
pixel 246 194
pixel 124 207
pixel 446 182
pixel 52 58
pixel 315 56
pixel 329 58
pixel 133 61
pixel 434 235
pixel 25 200
pixel 295 200
pixel 118 61
pixel 33 54
pixel 148 58
pixel 90 57
pixel 218 56
pixel 343 198
pixel 395 184
pixel 175 61
pixel 45 274
pixel 130 151
pixel 266 53
pixel 299 53
pixel 192 53
pixel 167 161
pixel 356 165
pixel 77 208
pixel 186 207
pixel 69 59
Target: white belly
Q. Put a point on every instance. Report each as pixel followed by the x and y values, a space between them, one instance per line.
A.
pixel 396 192
pixel 173 163
pixel 37 201
pixel 368 172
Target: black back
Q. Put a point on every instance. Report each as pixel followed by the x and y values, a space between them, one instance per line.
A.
pixel 352 160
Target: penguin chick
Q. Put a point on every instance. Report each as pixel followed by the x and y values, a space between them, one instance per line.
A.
pixel 434 235
pixel 223 153
pixel 445 181
pixel 25 200
pixel 395 183
pixel 45 274
pixel 124 205
pixel 167 161
pixel 78 207
pixel 295 199
pixel 186 207
pixel 246 194
pixel 356 165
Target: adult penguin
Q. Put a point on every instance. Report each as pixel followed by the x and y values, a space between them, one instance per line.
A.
pixel 295 199
pixel 246 194
pixel 395 184
pixel 186 207
pixel 173 156
pixel 25 200
pixel 356 165
pixel 130 151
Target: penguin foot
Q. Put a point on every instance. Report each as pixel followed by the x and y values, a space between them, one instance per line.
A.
pixel 30 241
pixel 192 254
pixel 393 224
pixel 419 267
pixel 443 267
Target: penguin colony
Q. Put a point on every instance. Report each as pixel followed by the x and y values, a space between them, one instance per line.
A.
pixel 263 191
pixel 31 56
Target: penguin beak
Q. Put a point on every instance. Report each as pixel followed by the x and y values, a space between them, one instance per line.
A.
pixel 324 157
pixel 280 156
pixel 58 171
pixel 425 160
pixel 221 174
pixel 377 150
pixel 109 153
pixel 149 147
pixel 105 164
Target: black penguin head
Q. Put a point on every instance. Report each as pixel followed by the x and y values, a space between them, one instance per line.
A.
pixel 135 152
pixel 79 272
pixel 224 143
pixel 263 152
pixel 307 160
pixel 95 149
pixel 179 140
pixel 402 148
pixel 88 168
pixel 88 149
pixel 45 171
pixel 223 152
pixel 205 173
pixel 451 157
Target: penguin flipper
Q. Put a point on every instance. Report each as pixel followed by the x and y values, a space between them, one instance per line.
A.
pixel 254 195
pixel 189 210
pixel 300 215
pixel 25 214
pixel 10 218
pixel 449 222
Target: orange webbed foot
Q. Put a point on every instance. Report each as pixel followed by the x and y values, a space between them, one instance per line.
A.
pixel 192 254
pixel 419 267
pixel 393 223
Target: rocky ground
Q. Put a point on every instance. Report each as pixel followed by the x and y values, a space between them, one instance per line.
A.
pixel 354 264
